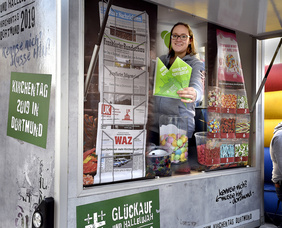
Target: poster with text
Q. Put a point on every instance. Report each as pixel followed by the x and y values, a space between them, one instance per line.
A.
pixel 137 210
pixel 29 107
pixel 230 72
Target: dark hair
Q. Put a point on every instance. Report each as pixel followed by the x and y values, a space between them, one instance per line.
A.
pixel 191 49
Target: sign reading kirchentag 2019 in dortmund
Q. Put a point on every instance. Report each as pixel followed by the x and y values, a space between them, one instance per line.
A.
pixel 29 107
pixel 138 210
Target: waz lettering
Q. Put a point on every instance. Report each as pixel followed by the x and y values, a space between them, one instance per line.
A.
pixel 123 140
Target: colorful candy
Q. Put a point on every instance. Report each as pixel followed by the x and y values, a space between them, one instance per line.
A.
pixel 242 102
pixel 178 144
pixel 208 156
pixel 241 149
pixel 243 127
pixel 227 125
pixel 213 126
pixel 227 153
pixel 227 150
pixel 228 101
pixel 158 166
pixel 214 98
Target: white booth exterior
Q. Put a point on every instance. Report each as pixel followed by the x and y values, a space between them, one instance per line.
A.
pixel 47 38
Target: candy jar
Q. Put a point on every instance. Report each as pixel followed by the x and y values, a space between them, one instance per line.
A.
pixel 207 149
pixel 158 162
pixel 173 134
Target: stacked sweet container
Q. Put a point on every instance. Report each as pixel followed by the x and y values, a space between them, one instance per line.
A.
pixel 228 128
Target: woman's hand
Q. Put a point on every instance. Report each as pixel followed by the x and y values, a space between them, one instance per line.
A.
pixel 188 92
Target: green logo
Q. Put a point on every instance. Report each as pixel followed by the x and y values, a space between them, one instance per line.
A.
pixel 166 37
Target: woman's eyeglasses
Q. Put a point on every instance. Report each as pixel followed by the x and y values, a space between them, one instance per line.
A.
pixel 182 37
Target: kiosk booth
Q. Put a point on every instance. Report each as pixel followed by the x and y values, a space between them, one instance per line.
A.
pixel 77 79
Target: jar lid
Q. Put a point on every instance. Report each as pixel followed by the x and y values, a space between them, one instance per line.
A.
pixel 158 152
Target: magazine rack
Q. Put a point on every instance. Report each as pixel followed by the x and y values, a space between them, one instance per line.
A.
pixel 133 97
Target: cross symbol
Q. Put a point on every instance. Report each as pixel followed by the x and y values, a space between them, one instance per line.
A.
pixel 102 215
pixel 88 219
pixel 97 224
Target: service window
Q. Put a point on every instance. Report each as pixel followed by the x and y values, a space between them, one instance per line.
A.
pixel 120 88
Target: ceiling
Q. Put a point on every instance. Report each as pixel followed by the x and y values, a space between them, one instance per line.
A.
pixel 260 18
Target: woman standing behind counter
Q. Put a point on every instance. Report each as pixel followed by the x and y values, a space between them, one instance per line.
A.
pixel 182 45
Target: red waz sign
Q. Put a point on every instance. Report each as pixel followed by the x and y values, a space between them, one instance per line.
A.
pixel 123 140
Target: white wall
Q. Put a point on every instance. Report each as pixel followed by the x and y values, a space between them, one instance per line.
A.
pixel 270 48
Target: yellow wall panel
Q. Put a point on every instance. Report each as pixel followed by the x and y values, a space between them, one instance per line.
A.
pixel 273 105
pixel 269 125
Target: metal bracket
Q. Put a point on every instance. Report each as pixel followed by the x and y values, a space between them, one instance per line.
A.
pixel 94 57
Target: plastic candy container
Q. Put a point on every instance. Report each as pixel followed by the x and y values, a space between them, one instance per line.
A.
pixel 242 102
pixel 207 149
pixel 173 135
pixel 201 140
pixel 241 151
pixel 227 152
pixel 212 156
pixel 213 125
pixel 201 154
pixel 227 126
pixel 228 101
pixel 243 126
pixel 214 99
pixel 178 144
pixel 158 162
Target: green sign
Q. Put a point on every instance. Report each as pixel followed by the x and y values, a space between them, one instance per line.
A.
pixel 138 210
pixel 29 107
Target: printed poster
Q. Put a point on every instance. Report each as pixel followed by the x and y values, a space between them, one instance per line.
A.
pixel 229 72
pixel 29 107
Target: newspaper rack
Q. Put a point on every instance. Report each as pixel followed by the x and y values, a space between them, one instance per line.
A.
pixel 123 108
